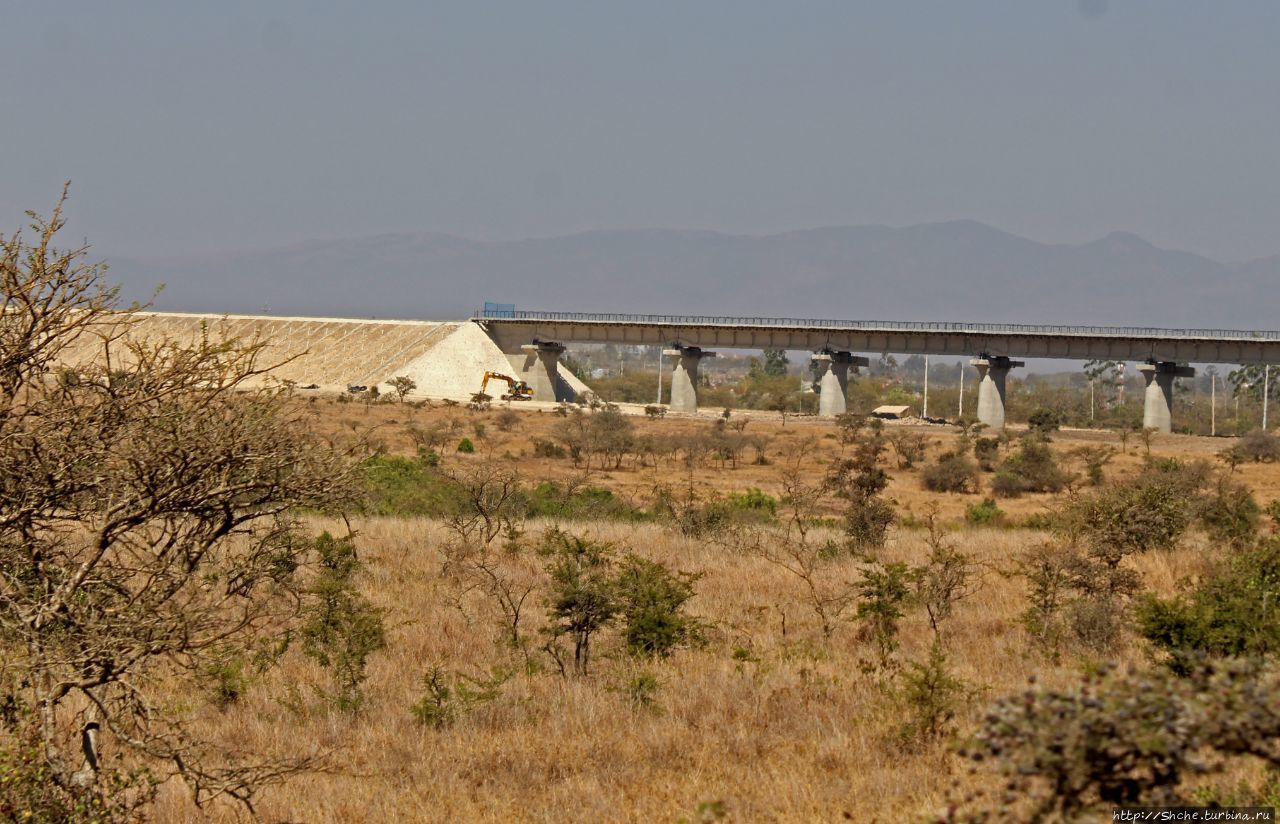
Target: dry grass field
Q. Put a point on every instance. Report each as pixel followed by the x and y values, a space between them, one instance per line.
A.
pixel 766 720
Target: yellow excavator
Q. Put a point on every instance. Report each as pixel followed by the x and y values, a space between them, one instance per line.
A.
pixel 516 390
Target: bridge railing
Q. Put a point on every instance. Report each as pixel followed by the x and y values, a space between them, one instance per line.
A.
pixel 512 314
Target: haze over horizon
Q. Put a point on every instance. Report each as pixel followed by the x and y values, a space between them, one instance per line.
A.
pixel 958 270
pixel 204 130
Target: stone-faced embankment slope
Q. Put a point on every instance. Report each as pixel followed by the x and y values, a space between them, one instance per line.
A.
pixel 446 359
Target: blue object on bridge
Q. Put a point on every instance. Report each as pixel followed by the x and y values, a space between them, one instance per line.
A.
pixel 499 310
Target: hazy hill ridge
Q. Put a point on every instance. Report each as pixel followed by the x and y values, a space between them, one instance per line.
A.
pixel 960 270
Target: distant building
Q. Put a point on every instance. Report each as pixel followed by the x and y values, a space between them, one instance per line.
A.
pixel 892 412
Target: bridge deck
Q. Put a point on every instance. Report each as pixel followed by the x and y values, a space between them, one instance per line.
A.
pixel 513 327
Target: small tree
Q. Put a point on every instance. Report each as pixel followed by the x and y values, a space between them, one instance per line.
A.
pixel 403 385
pixel 651 601
pixel 946 577
pixel 909 447
pixel 1095 460
pixel 485 552
pixel 148 531
pixel 793 547
pixel 1043 422
pixel 986 450
pixel 885 589
pixel 931 696
pixel 583 596
pixel 341 629
pixel 859 481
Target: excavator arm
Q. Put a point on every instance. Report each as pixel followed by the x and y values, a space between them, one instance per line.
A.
pixel 516 390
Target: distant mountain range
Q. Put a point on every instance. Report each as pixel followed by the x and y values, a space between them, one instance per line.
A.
pixel 959 271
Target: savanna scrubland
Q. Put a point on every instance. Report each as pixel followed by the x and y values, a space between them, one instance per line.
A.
pixel 221 603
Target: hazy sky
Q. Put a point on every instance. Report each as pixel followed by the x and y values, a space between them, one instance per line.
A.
pixel 193 127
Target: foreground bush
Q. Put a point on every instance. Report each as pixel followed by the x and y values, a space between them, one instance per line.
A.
pixel 1140 738
pixel 148 533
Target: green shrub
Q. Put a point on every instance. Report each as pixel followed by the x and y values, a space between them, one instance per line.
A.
pixel 1231 613
pixel 1150 511
pixel 952 472
pixel 582 599
pixel 548 449
pixel 341 628
pixel 642 688
pixel 885 589
pixel 1043 421
pixel 930 695
pixel 1075 595
pixel 228 682
pixel 755 502
pixel 699 518
pixel 1258 446
pixel 651 601
pixel 447 697
pixel 1033 468
pixel 866 523
pixel 986 513
pixel 986 450
pixel 551 500
pixel 1231 515
pixel 406 487
pixel 466 447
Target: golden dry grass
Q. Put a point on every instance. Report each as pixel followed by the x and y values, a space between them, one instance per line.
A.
pixel 766 717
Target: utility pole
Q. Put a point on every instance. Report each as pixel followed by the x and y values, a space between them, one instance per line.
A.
pixel 960 414
pixel 659 374
pixel 1266 390
pixel 925 412
pixel 1213 406
pixel 1092 415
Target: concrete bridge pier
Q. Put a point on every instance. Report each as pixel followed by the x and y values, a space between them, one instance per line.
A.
pixel 541 370
pixel 684 376
pixel 833 380
pixel 1157 409
pixel 992 371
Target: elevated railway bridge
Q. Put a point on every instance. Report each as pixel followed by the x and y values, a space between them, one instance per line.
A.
pixel 994 348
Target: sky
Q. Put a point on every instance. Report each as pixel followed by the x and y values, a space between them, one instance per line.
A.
pixel 192 128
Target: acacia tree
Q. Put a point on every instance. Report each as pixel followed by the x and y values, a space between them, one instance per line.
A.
pixel 484 550
pixel 147 531
pixel 403 385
